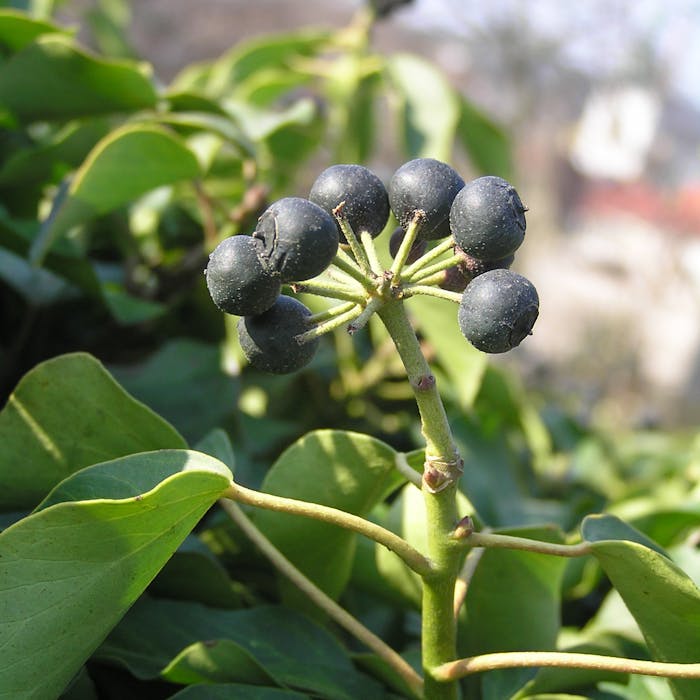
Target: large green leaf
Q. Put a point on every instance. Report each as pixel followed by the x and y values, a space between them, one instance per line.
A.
pixel 52 78
pixel 513 604
pixel 183 382
pixel 663 600
pixel 160 638
pixel 66 414
pixel 235 691
pixel 17 29
pixel 430 107
pixel 70 571
pixel 345 470
pixel 486 142
pixel 126 164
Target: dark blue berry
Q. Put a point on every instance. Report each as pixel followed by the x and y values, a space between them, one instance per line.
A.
pixel 238 281
pixel 498 310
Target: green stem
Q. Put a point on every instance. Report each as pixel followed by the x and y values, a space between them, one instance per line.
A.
pixel 345 263
pixel 441 472
pixel 413 289
pixel 410 556
pixel 328 289
pixel 426 272
pixel 332 312
pixel 494 540
pixel 559 659
pixel 357 250
pixel 328 605
pixel 406 244
pixel 429 256
pixel 330 325
pixel 371 251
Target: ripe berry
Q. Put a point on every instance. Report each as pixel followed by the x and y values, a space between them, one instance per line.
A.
pixel 498 309
pixel 417 249
pixel 237 280
pixel 488 218
pixel 427 184
pixel 269 339
pixel 366 203
pixel 299 239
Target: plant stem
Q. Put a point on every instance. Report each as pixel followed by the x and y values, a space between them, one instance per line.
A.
pixel 432 254
pixel 494 540
pixel 345 263
pixel 526 659
pixel 426 272
pixel 328 605
pixel 410 556
pixel 406 471
pixel 331 324
pixel 357 250
pixel 331 312
pixel 413 289
pixel 442 469
pixel 406 245
pixel 328 289
pixel 371 251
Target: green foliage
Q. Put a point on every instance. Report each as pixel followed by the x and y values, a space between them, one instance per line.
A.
pixel 117 568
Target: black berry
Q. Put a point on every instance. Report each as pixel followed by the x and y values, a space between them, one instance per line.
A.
pixel 498 309
pixel 269 339
pixel 459 276
pixel 427 184
pixel 299 239
pixel 238 281
pixel 488 218
pixel 366 205
pixel 417 249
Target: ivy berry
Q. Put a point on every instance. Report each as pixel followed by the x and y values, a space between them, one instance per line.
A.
pixel 298 239
pixel 238 281
pixel 498 310
pixel 366 205
pixel 269 340
pixel 429 185
pixel 488 219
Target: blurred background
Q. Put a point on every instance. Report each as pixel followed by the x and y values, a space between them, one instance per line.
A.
pixel 601 101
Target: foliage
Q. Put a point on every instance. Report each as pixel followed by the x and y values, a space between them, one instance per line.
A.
pixel 119 575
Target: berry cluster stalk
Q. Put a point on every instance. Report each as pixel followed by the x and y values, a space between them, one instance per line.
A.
pixel 442 469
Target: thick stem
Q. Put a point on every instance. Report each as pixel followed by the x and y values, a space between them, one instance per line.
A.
pixel 441 472
pixel 560 659
pixel 410 556
pixel 328 605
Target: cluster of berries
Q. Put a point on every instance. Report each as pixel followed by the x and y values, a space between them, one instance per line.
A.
pixel 297 240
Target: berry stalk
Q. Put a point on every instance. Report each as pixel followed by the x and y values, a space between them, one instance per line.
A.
pixel 443 466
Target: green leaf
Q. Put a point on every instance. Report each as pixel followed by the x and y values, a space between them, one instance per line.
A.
pixel 183 382
pixel 194 573
pixel 66 414
pixel 429 107
pixel 282 644
pixel 52 79
pixel 463 366
pixel 663 600
pixel 513 604
pixel 236 691
pixel 17 29
pixel 345 470
pixel 487 143
pixel 126 164
pixel 69 572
